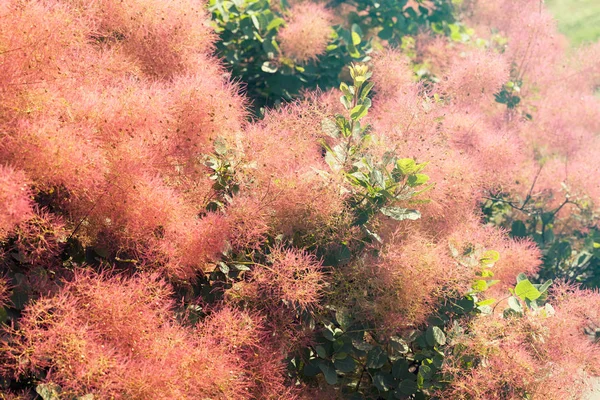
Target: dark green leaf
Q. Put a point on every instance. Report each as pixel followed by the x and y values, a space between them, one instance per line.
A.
pixel 386 33
pixel 321 351
pixel 383 382
pixel 345 365
pixel 435 336
pixel 518 229
pixel 311 368
pixel 376 358
pixel 407 387
pixel 329 372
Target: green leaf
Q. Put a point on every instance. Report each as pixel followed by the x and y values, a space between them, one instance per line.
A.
pixel 407 387
pixel 366 89
pixel 345 365
pixel 425 371
pixel 48 391
pixel 329 372
pixel 343 318
pixel 406 166
pixel 275 23
pixel 480 285
pixel 399 345
pixel 328 332
pixel 545 286
pixel 435 336
pixel 514 304
pixel 255 21
pixel 345 102
pixel 376 358
pixel 518 229
pixel 489 257
pixel 330 128
pixel 241 267
pixel 417 180
pixel 400 214
pixel 526 290
pixel 383 382
pixel 321 351
pixel 354 53
pixel 355 38
pixel 356 28
pixel 345 90
pixel 223 267
pixel 361 345
pixel 486 302
pixel 359 112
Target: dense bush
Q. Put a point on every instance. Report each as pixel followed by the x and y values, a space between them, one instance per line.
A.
pixel 157 244
pixel 279 49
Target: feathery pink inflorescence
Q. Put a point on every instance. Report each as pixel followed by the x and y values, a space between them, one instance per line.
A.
pixel 292 277
pixel 175 29
pixel 547 353
pixel 306 33
pixel 413 273
pixel 15 199
pixel 475 77
pixel 115 337
pixel 391 72
pixel 286 171
pixel 40 239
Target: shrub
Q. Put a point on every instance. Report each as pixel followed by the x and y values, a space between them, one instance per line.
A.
pixel 156 243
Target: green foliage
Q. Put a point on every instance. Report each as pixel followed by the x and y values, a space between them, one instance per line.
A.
pixel 375 185
pixel 248 44
pixel 573 255
pixel 509 94
pixel 350 354
pixel 533 295
pixel 391 20
pixel 222 163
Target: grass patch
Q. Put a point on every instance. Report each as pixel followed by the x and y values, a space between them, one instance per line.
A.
pixel 579 20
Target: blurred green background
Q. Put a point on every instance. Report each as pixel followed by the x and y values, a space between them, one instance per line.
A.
pixel 579 20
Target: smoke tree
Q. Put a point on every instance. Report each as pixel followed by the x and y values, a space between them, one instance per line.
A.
pixel 157 243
